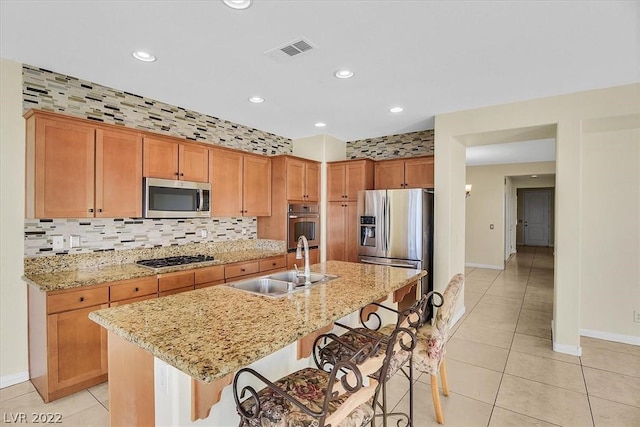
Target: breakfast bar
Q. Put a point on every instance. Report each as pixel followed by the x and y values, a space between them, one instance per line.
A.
pixel 171 358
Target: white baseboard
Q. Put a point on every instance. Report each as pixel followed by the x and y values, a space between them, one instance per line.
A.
pixel 490 266
pixel 9 380
pixel 573 350
pixel 608 336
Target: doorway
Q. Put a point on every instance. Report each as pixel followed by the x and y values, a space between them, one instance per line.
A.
pixel 536 217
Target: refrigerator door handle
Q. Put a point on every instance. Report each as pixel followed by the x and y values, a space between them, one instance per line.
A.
pixel 388 224
pixel 390 264
pixel 384 224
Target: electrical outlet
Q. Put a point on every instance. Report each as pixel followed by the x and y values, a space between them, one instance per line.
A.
pixel 74 241
pixel 203 233
pixel 58 242
pixel 244 230
pixel 636 316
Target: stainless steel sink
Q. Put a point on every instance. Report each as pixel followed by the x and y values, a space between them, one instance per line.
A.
pixel 279 284
pixel 292 277
pixel 264 286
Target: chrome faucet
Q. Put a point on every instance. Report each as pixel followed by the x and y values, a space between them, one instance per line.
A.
pixel 302 240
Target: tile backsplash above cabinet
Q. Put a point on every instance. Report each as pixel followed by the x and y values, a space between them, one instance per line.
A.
pixel 97 235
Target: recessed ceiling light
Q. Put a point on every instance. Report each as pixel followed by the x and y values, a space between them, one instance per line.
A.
pixel 143 56
pixel 320 125
pixel 343 74
pixel 396 109
pixel 256 99
pixel 237 4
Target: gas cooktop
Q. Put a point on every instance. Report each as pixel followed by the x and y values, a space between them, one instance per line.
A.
pixel 173 261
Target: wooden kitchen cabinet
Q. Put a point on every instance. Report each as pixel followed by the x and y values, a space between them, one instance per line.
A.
pixel 342 237
pixel 314 258
pixel 176 282
pixel 345 179
pixel 248 269
pixel 415 172
pixel 208 276
pixel 67 351
pixel 169 158
pixel 240 184
pixel 133 290
pixel 75 169
pixel 302 179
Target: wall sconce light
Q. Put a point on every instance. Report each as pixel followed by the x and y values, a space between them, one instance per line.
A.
pixel 467 190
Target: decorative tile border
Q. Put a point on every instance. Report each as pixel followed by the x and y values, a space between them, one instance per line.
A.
pixel 392 146
pixel 98 235
pixel 47 90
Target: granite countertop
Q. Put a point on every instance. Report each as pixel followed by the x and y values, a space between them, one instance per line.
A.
pixel 61 280
pixel 211 332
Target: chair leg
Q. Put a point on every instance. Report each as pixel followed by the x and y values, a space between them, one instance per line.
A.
pixel 436 399
pixel 443 378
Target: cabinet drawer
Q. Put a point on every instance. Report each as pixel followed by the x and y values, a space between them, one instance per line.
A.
pixel 176 291
pixel 169 281
pixel 241 269
pixel 209 274
pixel 209 284
pixel 273 263
pixel 134 288
pixel 77 299
pixel 132 300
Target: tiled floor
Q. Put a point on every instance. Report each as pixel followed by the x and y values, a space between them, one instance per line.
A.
pixel 502 371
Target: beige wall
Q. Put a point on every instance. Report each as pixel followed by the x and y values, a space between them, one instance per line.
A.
pixel 585 261
pixel 13 291
pixel 322 148
pixel 485 246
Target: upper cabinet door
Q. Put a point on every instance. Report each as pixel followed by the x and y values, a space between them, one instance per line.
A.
pixel 118 174
pixel 193 163
pixel 60 159
pixel 336 177
pixel 418 173
pixel 160 158
pixel 312 181
pixel 389 175
pixel 257 186
pixel 295 180
pixel 226 183
pixel 358 176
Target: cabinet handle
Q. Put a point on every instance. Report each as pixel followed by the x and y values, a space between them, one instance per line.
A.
pixel 81 299
pixel 100 210
pixel 182 174
pixel 243 270
pixel 90 209
pixel 274 264
pixel 136 290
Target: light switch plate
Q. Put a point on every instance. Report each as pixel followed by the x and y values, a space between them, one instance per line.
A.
pixel 636 316
pixel 74 241
pixel 203 233
pixel 58 242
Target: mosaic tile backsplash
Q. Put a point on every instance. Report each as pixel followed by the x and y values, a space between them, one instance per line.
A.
pixel 97 235
pixel 392 146
pixel 47 90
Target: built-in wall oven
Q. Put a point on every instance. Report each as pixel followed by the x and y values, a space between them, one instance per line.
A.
pixel 303 219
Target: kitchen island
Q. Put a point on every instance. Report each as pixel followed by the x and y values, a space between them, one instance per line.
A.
pixel 178 351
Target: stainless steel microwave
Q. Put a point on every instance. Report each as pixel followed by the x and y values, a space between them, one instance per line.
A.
pixel 167 198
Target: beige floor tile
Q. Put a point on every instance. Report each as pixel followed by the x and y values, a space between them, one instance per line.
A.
pixel 547 371
pixel 397 387
pixel 513 278
pixel 474 353
pixel 95 416
pixel 613 414
pixel 542 293
pixel 609 385
pixel 504 418
pixel 477 286
pixel 509 290
pixel 484 335
pixel 468 270
pixel 540 281
pixel 484 274
pixel 67 406
pixel 16 390
pixel 613 361
pixel 536 323
pixel 540 347
pixel 473 381
pixel 495 316
pixel 100 392
pixel 470 300
pixel 503 301
pixel 610 345
pixel 537 304
pixel 548 403
pixel 458 410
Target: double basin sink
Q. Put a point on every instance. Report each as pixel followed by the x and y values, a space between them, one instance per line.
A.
pixel 280 284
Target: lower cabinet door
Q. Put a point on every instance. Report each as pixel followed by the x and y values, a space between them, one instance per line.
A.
pixel 77 346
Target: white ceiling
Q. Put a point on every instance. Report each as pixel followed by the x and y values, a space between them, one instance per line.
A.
pixel 430 57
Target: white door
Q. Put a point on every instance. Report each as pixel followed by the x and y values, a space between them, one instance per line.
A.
pixel 536 217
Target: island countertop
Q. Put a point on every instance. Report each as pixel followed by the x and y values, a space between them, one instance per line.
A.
pixel 215 331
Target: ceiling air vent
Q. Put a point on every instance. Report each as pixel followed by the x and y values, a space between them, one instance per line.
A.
pixel 291 49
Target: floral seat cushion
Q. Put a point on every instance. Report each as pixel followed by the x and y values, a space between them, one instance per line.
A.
pixel 359 338
pixel 307 386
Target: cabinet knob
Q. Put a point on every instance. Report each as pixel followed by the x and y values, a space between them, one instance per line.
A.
pixel 81 299
pixel 136 290
pixel 274 264
pixel 90 209
pixel 182 174
pixel 100 210
pixel 176 174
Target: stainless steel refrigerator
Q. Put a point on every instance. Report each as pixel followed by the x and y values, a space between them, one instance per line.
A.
pixel 395 227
